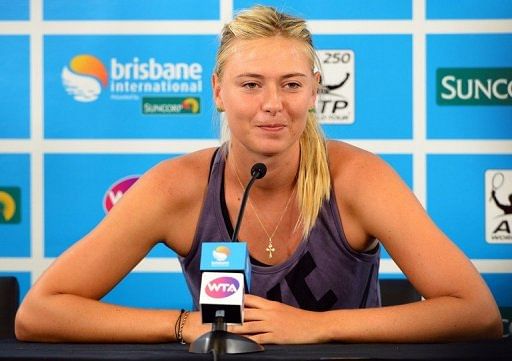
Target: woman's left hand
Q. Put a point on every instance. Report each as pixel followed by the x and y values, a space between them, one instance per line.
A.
pixel 274 322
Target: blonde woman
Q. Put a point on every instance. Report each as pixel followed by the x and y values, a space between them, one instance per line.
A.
pixel 314 224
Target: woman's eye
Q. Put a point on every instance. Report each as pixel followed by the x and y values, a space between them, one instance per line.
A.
pixel 293 85
pixel 250 85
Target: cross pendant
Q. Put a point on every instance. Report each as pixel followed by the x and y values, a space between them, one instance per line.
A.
pixel 270 248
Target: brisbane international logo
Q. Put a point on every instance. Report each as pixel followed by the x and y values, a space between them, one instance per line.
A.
pixel 10 198
pixel 148 80
pixel 84 77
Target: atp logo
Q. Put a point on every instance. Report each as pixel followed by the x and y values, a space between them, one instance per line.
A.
pixel 336 94
pixel 84 78
pixel 222 287
pixel 10 200
pixel 498 205
pixel 221 253
pixel 116 191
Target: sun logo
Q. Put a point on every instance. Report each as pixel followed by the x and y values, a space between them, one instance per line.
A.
pixel 190 104
pixel 84 78
pixel 9 201
pixel 221 253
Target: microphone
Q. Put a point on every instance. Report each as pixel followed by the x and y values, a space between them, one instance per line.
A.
pixel 258 171
pixel 226 271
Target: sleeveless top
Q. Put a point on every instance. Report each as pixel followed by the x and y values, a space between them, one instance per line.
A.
pixel 323 273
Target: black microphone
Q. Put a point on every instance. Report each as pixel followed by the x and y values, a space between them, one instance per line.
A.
pixel 226 272
pixel 258 171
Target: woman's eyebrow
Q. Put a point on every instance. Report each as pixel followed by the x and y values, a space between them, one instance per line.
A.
pixel 259 76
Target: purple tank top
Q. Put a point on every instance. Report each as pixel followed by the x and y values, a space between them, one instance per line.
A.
pixel 323 274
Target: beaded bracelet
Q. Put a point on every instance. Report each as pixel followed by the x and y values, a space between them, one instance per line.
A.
pixel 178 326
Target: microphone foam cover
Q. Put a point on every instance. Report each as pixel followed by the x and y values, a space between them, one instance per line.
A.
pixel 259 170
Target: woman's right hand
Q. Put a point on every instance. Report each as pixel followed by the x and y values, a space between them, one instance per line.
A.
pixel 194 328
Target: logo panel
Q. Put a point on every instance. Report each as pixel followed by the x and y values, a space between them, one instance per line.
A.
pixel 334 9
pixel 14 10
pixel 474 86
pixel 114 85
pixel 10 205
pixel 498 206
pixel 336 101
pixel 130 10
pixel 14 86
pixel 469 91
pixel 384 79
pixel 79 189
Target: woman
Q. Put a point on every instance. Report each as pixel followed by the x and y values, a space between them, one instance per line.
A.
pixel 311 227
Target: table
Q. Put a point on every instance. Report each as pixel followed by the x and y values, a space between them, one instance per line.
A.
pixel 485 350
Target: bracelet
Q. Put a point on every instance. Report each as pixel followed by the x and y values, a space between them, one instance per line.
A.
pixel 178 326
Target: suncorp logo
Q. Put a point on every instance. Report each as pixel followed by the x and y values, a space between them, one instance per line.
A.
pixel 116 191
pixel 84 78
pixel 10 198
pixel 222 287
pixel 474 86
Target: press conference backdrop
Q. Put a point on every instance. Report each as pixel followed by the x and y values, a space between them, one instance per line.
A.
pixel 93 93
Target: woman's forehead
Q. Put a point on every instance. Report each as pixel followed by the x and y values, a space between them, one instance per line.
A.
pixel 272 51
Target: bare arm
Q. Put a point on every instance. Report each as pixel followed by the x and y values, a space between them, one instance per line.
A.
pixel 458 305
pixel 64 303
pixel 377 204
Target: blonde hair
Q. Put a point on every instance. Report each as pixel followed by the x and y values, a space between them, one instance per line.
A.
pixel 313 180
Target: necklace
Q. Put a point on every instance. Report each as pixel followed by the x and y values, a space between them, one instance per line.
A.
pixel 270 247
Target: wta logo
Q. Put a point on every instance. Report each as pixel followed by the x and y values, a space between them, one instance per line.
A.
pixel 222 287
pixel 84 78
pixel 116 191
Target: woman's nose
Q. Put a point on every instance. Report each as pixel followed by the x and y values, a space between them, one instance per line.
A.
pixel 272 101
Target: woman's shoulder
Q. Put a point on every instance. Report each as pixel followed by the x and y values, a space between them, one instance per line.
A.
pixel 356 168
pixel 345 158
pixel 181 177
pixel 191 163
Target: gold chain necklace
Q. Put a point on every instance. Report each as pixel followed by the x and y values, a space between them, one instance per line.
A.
pixel 270 247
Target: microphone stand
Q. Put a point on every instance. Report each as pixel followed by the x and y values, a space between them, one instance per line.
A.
pixel 219 340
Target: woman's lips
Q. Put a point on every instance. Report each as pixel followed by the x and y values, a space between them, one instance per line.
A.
pixel 272 127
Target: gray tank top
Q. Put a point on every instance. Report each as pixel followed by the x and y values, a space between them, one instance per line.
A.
pixel 323 274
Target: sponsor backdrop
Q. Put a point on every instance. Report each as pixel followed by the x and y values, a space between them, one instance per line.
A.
pixel 94 93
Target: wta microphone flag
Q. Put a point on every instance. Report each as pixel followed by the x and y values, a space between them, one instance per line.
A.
pixel 226 272
pixel 221 299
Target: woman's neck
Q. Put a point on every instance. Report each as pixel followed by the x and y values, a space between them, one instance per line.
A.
pixel 281 168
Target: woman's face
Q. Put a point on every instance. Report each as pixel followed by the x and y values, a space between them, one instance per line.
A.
pixel 266 89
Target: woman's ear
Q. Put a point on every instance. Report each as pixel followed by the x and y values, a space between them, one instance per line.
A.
pixel 219 104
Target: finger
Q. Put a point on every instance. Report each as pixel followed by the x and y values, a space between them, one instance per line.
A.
pixel 261 338
pixel 253 301
pixel 250 328
pixel 253 314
